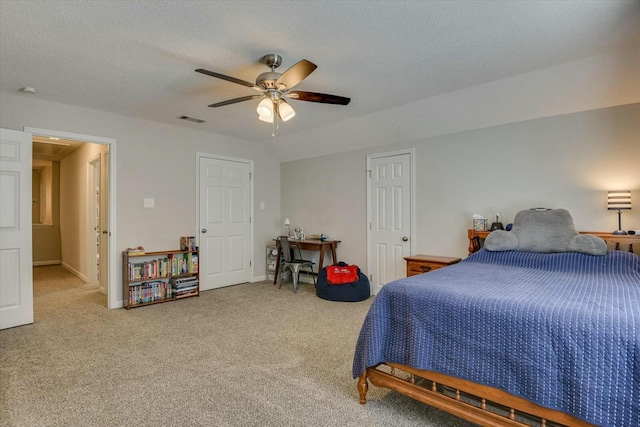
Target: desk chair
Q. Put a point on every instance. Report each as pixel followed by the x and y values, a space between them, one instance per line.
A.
pixel 293 263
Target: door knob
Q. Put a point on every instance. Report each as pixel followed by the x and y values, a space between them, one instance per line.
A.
pixel 204 230
pixel 405 239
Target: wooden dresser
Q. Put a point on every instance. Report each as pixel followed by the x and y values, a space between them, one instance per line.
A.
pixel 418 264
pixel 475 236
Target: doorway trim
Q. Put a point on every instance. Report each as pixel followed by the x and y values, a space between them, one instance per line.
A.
pixel 112 301
pixel 412 159
pixel 93 169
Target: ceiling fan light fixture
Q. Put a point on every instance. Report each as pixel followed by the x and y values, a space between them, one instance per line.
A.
pixel 266 119
pixel 272 108
pixel 286 111
pixel 265 109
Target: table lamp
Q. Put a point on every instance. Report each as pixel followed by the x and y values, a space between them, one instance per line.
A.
pixel 287 224
pixel 619 200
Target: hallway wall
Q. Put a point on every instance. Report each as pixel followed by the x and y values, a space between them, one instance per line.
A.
pixel 46 238
pixel 74 203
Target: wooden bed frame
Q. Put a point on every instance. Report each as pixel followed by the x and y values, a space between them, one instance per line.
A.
pixel 477 403
pixel 625 239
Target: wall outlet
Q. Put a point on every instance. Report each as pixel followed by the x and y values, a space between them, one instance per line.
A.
pixel 149 202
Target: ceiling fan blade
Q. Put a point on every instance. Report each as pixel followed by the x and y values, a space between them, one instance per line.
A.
pixel 227 78
pixel 319 97
pixel 296 74
pixel 235 100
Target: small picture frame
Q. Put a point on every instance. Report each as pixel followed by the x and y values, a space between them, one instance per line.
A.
pixel 480 224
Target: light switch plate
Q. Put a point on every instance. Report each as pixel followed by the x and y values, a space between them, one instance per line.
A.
pixel 149 202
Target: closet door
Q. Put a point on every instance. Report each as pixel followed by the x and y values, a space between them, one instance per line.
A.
pixel 389 196
pixel 225 222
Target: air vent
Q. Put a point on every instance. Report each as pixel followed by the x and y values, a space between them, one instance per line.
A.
pixel 191 119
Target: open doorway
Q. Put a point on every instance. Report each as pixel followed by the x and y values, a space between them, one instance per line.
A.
pixel 82 208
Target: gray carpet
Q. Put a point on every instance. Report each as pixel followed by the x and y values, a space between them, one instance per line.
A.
pixel 246 355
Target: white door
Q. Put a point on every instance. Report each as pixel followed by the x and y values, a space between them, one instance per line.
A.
pixel 389 211
pixel 16 275
pixel 225 222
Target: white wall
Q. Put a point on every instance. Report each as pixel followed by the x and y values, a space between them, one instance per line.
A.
pixel 601 81
pixel 155 160
pixel 567 161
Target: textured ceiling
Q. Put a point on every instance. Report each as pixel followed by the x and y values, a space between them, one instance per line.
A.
pixel 137 58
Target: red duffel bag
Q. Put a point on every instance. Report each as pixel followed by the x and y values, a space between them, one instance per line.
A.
pixel 341 274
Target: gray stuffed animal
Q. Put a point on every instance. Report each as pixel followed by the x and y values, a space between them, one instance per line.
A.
pixel 544 231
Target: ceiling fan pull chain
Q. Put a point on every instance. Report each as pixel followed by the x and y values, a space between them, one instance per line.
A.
pixel 276 119
pixel 273 123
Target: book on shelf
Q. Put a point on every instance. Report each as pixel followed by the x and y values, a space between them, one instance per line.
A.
pixel 182 293
pixel 171 265
pixel 193 262
pixel 183 289
pixel 183 279
pixel 147 292
pixel 136 251
pixel 183 286
pixel 188 243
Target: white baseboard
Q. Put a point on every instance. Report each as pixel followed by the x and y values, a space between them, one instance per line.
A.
pixel 50 262
pixel 75 272
pixel 95 286
pixel 259 279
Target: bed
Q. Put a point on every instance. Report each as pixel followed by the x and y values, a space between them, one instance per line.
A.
pixel 512 338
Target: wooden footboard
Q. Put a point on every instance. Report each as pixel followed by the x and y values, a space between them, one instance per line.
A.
pixel 480 404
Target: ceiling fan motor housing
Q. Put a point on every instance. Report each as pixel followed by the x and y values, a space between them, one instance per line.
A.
pixel 267 80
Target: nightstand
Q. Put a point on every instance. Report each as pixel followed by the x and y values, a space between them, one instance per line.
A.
pixel 418 264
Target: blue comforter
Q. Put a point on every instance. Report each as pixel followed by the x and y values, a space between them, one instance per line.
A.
pixel 561 330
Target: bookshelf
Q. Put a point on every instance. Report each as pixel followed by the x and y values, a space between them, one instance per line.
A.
pixel 156 277
pixel 271 260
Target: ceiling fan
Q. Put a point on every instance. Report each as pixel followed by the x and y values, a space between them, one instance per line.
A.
pixel 275 87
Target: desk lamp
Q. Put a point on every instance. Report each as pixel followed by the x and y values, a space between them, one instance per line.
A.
pixel 618 200
pixel 287 224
